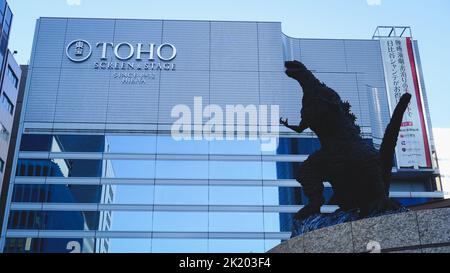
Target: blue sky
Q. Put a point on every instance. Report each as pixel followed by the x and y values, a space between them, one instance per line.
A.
pixel 430 22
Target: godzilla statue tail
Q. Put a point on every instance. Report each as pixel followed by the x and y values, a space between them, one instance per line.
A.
pixel 387 149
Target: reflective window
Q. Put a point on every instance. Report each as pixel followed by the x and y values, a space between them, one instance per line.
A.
pixel 179 245
pixel 63 143
pixel 8 21
pixel 129 194
pixel 175 169
pixel 181 195
pixel 2 8
pixel 236 222
pixel 36 143
pixel 60 245
pixel 180 221
pixel 271 196
pixel 128 221
pixel 78 143
pixel 12 77
pixel 279 170
pixel 4 133
pixel 7 104
pixel 275 196
pixel 226 195
pixel 89 143
pixel 131 169
pixel 236 246
pixel 131 144
pixel 57 193
pixel 270 244
pixel 235 170
pixel 118 245
pixel 235 147
pixel 59 167
pixel 167 145
pixel 2 165
pixel 278 222
pixel 53 220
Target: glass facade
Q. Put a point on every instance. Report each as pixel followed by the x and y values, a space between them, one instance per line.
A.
pixel 228 205
pixel 99 171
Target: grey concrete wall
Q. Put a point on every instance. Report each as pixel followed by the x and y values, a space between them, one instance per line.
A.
pixel 425 231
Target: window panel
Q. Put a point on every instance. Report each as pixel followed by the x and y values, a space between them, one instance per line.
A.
pixel 271 244
pixel 279 170
pixel 59 168
pixel 41 245
pixel 78 143
pixel 236 246
pixel 139 169
pixel 167 145
pixel 7 104
pixel 53 220
pixel 226 195
pixel 36 143
pixel 179 245
pixel 118 245
pixel 57 193
pixel 285 196
pixel 236 222
pixel 278 222
pixel 235 147
pixel 180 221
pixel 181 195
pixel 127 221
pixel 128 195
pixel 181 169
pixel 235 170
pixel 131 144
pixel 12 77
pixel 4 133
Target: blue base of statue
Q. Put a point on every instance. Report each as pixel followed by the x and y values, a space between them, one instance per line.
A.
pixel 319 221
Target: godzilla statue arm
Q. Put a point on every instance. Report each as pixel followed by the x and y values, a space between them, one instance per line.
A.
pixel 299 129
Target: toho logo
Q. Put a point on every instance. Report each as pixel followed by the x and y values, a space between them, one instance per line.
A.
pixel 80 50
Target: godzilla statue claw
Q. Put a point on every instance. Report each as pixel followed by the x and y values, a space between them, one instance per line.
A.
pixel 359 174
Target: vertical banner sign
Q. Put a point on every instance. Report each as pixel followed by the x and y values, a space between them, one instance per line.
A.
pixel 401 77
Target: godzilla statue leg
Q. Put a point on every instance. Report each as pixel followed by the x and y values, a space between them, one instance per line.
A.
pixel 311 178
pixel 387 149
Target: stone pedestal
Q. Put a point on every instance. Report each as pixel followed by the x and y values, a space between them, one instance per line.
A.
pixel 426 231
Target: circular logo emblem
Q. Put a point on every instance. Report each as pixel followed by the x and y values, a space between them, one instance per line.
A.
pixel 79 51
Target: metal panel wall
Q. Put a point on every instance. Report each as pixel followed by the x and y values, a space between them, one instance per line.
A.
pixel 234 46
pixel 42 94
pixel 180 87
pixel 270 47
pixel 128 103
pixel 323 55
pixel 50 42
pixel 82 96
pixel 192 40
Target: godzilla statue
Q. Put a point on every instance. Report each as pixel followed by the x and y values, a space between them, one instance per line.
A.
pixel 359 174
